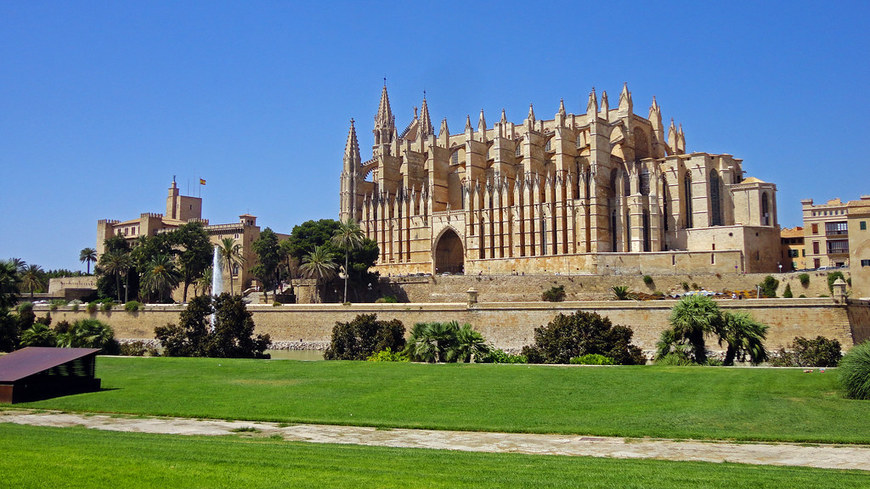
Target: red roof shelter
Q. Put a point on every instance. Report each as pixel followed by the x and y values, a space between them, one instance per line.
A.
pixel 35 373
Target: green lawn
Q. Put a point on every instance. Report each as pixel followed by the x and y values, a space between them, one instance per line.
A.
pixel 74 457
pixel 671 402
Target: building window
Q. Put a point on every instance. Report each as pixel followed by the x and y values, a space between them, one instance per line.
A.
pixel 549 145
pixel 815 247
pixel 815 229
pixel 236 236
pixel 687 188
pixel 862 225
pixel 715 200
pixel 838 246
pixel 836 228
pixel 519 152
pixel 644 182
pixel 454 158
pixel 817 263
pixel 865 263
pixel 235 270
pixel 765 210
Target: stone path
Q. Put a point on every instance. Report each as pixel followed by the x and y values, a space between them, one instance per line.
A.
pixel 820 456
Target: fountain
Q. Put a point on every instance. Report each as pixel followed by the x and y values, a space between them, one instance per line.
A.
pixel 217 278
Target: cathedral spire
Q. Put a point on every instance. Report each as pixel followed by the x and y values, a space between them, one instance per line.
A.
pixel 352 157
pixel 605 105
pixel 592 105
pixel 384 119
pixel 503 117
pixel 467 122
pixel 425 121
pixel 481 122
pixel 531 113
pixel 562 106
pixel 625 103
pixel 672 137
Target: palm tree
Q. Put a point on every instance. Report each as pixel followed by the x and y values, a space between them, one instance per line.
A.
pixel 348 236
pixel 9 281
pixel 33 278
pixel 231 257
pixel 203 284
pixel 38 335
pixel 318 265
pixel 161 276
pixel 745 337
pixel 432 342
pixel 19 264
pixel 88 255
pixel 693 317
pixel 470 345
pixel 116 263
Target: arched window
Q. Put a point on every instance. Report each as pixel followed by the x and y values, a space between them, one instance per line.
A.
pixel 647 239
pixel 549 145
pixel 715 199
pixel 588 182
pixel 687 191
pixel 454 158
pixel 644 182
pixel 613 230
pixel 519 151
pixel 765 210
pixel 666 203
pixel 626 184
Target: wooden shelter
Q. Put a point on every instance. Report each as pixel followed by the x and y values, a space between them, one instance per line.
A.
pixel 35 373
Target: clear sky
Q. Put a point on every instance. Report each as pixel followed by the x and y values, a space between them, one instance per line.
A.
pixel 101 103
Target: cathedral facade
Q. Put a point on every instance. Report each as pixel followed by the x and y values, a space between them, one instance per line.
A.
pixel 603 192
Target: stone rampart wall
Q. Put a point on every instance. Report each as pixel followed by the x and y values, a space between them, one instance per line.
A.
pixel 528 288
pixel 511 325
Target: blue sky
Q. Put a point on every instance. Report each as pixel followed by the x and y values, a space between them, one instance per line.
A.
pixel 101 103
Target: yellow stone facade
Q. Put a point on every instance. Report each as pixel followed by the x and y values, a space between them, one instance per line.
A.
pixel 181 209
pixel 793 251
pixel 579 193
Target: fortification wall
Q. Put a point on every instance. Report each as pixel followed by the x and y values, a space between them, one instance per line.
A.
pixel 528 288
pixel 510 326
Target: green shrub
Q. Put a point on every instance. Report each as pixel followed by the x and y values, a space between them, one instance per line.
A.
pixel 580 334
pixel 276 304
pixel 685 286
pixel 804 279
pixel 364 336
pixel 715 362
pixel 388 355
pixel 132 306
pixel 55 303
pixel 91 307
pixel 621 292
pixel 648 280
pixel 232 335
pixel 820 352
pixel 787 292
pixel 38 335
pixel 675 359
pixel 499 356
pixel 446 342
pixel 592 359
pixel 695 286
pixel 832 277
pixel 802 296
pixel 88 333
pixel 854 372
pixel 74 307
pixel 106 306
pixel 768 286
pixel 387 299
pixel 555 293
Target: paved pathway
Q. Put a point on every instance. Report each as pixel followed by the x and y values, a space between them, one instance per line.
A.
pixel 821 456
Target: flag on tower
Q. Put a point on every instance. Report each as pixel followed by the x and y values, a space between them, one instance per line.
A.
pixel 202 181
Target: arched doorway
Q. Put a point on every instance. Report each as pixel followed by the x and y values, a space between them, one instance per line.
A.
pixel 449 255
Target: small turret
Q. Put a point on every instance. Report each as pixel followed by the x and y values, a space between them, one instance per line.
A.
pixel 443 134
pixel 605 106
pixel 681 141
pixel 625 104
pixel 425 121
pixel 672 137
pixel 560 115
pixel 385 122
pixel 352 159
pixel 469 132
pixel 481 127
pixel 592 105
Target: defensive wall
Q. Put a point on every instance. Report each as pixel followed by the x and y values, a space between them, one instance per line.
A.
pixel 510 326
pixel 579 287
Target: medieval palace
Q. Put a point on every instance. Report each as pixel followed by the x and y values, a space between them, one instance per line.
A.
pixel 603 192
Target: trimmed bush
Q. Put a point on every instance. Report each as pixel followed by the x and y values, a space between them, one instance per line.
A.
pixel 580 334
pixel 675 359
pixel 787 292
pixel 592 359
pixel 556 293
pixel 91 307
pixel 388 355
pixel 132 306
pixel 820 352
pixel 854 372
pixel 648 280
pixel 804 279
pixel 768 286
pixel 499 356
pixel 387 299
pixel 363 337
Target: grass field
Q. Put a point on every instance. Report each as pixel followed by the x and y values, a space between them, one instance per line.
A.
pixel 669 402
pixel 75 457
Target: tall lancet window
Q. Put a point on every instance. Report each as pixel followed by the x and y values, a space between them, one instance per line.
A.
pixel 687 191
pixel 666 203
pixel 644 182
pixel 765 210
pixel 715 199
